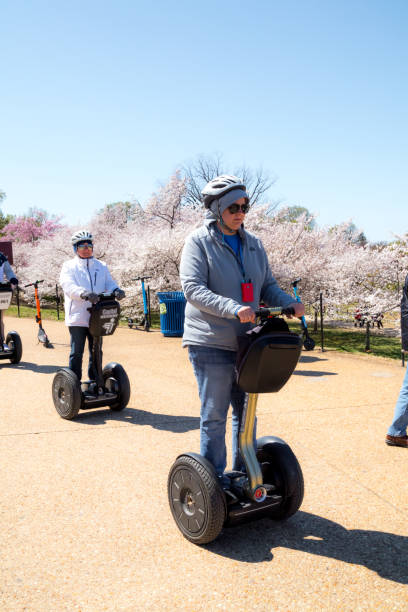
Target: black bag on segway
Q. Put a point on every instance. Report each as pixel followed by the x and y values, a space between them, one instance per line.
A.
pixel 267 356
pixel 104 317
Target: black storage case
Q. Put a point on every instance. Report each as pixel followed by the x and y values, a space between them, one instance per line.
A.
pixel 267 357
pixel 104 317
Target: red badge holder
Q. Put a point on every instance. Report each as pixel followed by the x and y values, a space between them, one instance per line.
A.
pixel 247 291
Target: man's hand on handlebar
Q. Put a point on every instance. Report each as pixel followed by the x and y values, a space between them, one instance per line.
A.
pixel 90 297
pixel 246 315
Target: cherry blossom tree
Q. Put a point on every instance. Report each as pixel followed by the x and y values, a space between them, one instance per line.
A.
pixel 138 242
pixel 31 227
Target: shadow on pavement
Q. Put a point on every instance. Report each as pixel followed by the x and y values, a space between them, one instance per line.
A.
pixel 311 359
pixel 34 367
pixel 313 373
pixel 165 422
pixel 381 552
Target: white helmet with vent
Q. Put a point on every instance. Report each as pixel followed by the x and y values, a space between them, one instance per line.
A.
pixel 81 236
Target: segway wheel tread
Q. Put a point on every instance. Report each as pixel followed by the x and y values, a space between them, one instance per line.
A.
pixel 116 371
pixel 13 341
pixel 196 500
pixel 309 343
pixel 66 393
pixel 281 468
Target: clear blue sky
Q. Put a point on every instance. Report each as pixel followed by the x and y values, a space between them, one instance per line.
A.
pixel 101 101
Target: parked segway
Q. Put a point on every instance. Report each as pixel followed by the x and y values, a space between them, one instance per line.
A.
pixel 308 341
pixel 272 483
pixel 145 323
pixel 11 348
pixel 42 336
pixel 111 386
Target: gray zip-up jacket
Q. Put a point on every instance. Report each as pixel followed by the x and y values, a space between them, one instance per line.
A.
pixel 211 278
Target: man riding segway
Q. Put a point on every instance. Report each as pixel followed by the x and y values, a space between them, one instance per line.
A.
pixel 10 346
pixel 86 282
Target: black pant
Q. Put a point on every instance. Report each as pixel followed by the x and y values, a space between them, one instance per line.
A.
pixel 78 337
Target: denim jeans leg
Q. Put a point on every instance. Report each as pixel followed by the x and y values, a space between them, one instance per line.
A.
pixel 214 371
pixel 78 337
pixel 91 365
pixel 400 421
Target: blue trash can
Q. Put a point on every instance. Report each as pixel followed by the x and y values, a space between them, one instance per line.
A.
pixel 172 306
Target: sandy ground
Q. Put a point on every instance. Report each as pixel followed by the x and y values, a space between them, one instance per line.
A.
pixel 85 523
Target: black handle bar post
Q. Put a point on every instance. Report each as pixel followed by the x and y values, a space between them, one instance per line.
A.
pixel 57 300
pixel 18 300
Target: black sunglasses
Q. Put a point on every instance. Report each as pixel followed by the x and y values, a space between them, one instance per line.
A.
pixel 234 208
pixel 86 245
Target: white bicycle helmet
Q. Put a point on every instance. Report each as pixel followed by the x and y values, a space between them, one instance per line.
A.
pixel 219 186
pixel 80 236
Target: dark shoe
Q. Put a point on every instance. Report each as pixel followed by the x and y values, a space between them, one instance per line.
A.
pixel 397 441
pixel 224 481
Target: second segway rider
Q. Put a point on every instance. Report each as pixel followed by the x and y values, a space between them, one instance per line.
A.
pixel 82 279
pixel 224 273
pixel 6 274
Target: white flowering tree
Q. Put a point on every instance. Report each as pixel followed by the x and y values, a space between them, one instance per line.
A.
pixel 138 242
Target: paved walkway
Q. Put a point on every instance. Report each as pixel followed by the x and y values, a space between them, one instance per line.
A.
pixel 85 524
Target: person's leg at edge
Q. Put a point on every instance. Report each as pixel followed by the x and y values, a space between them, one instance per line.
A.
pixel 78 337
pixel 214 372
pixel 400 422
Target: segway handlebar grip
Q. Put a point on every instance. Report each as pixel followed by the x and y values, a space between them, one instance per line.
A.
pixel 274 311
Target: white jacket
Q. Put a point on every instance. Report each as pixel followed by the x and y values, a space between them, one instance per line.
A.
pixel 77 276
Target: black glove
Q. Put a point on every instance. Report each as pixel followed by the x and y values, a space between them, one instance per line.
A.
pixel 90 297
pixel 14 281
pixel 119 294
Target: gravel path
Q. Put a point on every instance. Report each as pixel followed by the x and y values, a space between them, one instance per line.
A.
pixel 85 523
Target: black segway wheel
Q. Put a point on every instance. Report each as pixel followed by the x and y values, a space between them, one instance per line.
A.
pixel 281 468
pixel 13 341
pixel 196 500
pixel 119 382
pixel 66 393
pixel 309 343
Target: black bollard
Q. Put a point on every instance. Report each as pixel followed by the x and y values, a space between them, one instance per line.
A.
pixel 18 300
pixel 57 299
pixel 367 346
pixel 321 323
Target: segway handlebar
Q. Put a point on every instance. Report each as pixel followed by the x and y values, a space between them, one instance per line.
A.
pixel 141 278
pixel 34 284
pixel 274 311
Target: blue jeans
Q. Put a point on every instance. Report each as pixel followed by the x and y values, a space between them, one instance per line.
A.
pixel 214 370
pixel 78 338
pixel 400 422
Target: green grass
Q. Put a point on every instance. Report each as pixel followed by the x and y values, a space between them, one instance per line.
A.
pixel 355 342
pixel 51 314
pixel 30 312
